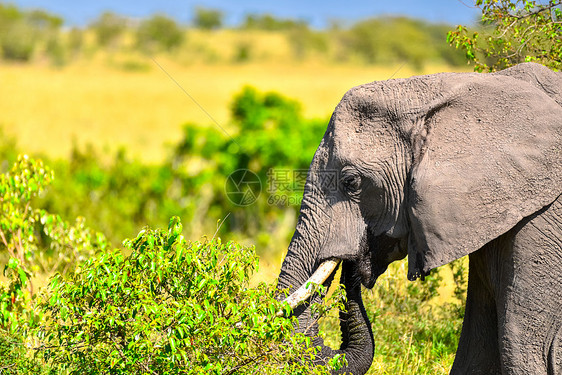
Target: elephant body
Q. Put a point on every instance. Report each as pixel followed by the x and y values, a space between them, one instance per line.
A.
pixel 435 168
pixel 513 317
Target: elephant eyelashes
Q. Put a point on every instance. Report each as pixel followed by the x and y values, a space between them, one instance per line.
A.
pixel 351 182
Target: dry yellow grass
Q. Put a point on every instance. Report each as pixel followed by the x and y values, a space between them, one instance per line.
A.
pixel 48 109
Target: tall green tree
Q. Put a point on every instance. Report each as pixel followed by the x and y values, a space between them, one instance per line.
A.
pixel 271 23
pixel 108 28
pixel 513 32
pixel 21 31
pixel 208 19
pixel 159 32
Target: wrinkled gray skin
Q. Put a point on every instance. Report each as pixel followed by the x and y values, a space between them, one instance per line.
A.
pixel 434 168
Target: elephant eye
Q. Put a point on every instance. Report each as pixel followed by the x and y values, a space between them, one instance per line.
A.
pixel 351 182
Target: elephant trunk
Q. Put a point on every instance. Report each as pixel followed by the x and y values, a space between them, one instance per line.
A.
pixel 357 338
pixel 295 272
pixel 357 342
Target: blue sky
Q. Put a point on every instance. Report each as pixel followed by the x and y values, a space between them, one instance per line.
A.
pixel 317 12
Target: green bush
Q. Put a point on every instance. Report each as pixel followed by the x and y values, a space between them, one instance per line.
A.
pixel 170 307
pixel 159 33
pixel 109 27
pixel 207 19
pixel 304 42
pixel 271 23
pixel 15 358
pixel 33 243
pixel 270 135
pixel 394 40
pixel 22 31
pixel 123 195
pixel 18 42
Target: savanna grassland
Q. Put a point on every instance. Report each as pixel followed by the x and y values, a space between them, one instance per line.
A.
pixel 106 103
pixel 139 126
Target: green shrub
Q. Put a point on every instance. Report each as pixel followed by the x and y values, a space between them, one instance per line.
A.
pixel 122 195
pixel 18 42
pixel 109 27
pixel 159 33
pixel 304 42
pixel 32 243
pixel 271 23
pixel 15 358
pixel 270 135
pixel 394 40
pixel 75 41
pixel 21 31
pixel 170 307
pixel 208 19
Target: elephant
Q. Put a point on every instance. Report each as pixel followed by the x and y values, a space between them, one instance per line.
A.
pixel 434 168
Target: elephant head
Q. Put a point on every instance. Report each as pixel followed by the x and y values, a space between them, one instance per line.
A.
pixel 432 168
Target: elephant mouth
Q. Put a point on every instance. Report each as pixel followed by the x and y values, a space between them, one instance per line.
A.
pixel 367 272
pixel 375 259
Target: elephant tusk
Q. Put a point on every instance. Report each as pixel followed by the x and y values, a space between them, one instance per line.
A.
pixel 305 291
pixel 318 277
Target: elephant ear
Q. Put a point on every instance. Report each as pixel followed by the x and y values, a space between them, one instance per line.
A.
pixel 490 155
